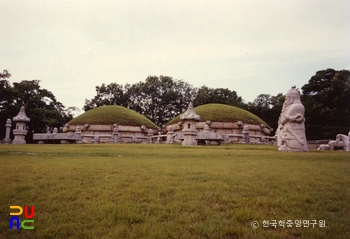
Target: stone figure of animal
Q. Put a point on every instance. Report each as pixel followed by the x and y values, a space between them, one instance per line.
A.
pixel 324 147
pixel 334 145
pixel 342 138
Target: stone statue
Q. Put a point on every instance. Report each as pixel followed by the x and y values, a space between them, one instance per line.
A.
pixel 345 139
pixel 291 128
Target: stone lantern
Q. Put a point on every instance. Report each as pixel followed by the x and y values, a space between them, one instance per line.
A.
pixel 189 129
pixel 21 128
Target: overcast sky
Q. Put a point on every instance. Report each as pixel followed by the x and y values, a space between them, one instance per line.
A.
pixel 252 47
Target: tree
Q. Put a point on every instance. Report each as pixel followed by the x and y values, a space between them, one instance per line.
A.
pixel 207 95
pixel 160 98
pixel 5 74
pixel 6 92
pixel 326 99
pixel 41 106
pixel 157 98
pixel 111 94
pixel 268 108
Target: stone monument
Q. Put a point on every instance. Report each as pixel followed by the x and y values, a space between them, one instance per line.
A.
pixel 170 136
pixel 115 134
pixel 291 128
pixel 189 129
pixel 345 139
pixel 21 129
pixel 8 125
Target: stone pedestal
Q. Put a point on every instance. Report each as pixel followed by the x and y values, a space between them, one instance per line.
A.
pixel 189 133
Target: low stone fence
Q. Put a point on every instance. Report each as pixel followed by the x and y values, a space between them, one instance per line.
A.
pixel 209 138
pixel 64 138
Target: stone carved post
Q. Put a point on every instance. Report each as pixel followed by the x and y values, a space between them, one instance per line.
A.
pixel 189 129
pixel 79 136
pixel 206 132
pixel 158 138
pixel 291 128
pixel 149 136
pixel 246 134
pixel 115 134
pixel 170 136
pixel 8 125
pixel 20 131
pixel 96 139
pixel 239 124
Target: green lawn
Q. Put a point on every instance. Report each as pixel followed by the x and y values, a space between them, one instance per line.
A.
pixel 170 191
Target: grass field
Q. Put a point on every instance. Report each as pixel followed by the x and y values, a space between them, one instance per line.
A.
pixel 170 191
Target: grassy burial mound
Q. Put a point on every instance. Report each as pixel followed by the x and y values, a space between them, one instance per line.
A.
pixel 112 114
pixel 223 113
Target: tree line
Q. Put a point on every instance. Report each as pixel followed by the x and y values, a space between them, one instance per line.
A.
pixel 41 105
pixel 326 98
pixel 161 98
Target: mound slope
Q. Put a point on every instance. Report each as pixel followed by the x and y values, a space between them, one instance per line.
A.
pixel 112 114
pixel 223 113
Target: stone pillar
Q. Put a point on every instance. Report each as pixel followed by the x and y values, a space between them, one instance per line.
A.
pixel 149 136
pixel 189 129
pixel 78 133
pixel 158 138
pixel 246 134
pixel 8 125
pixel 239 124
pixel 226 139
pixel 96 139
pixel 170 136
pixel 206 132
pixel 115 134
pixel 20 131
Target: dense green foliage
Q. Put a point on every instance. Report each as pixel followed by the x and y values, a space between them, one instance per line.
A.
pixel 326 98
pixel 225 96
pixel 160 99
pixel 268 108
pixel 40 104
pixel 111 94
pixel 170 191
pixel 223 113
pixel 112 114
